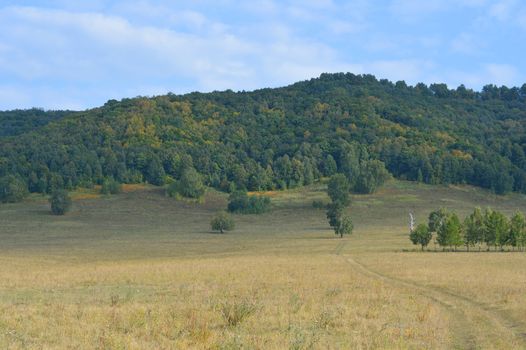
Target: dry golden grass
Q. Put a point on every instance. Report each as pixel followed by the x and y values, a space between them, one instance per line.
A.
pixel 294 302
pixel 142 271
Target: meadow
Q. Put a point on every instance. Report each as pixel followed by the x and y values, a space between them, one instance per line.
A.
pixel 140 270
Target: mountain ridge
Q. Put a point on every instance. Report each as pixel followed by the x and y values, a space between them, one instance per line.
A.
pixel 283 137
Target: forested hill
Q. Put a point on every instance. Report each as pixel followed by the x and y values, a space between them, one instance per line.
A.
pixel 17 122
pixel 285 137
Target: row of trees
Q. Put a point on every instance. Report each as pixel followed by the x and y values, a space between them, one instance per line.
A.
pixel 488 228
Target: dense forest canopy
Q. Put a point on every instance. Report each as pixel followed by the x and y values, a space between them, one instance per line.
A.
pixel 17 122
pixel 279 138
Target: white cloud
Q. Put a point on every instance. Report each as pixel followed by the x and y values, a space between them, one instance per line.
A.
pixel 82 56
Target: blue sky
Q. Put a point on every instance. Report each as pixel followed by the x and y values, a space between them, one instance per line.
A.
pixel 59 54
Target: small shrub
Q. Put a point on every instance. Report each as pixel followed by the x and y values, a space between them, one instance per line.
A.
pixel 235 312
pixel 326 319
pixel 301 338
pixel 241 202
pixel 111 186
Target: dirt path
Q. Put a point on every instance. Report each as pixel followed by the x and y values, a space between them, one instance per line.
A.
pixel 475 325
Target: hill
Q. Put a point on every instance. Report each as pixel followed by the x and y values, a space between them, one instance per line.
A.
pixel 285 137
pixel 16 122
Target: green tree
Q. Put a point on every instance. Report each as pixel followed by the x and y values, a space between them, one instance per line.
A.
pixel 421 235
pixel 155 172
pixel 12 189
pixel 474 229
pixel 436 219
pixel 329 166
pixel 338 190
pixel 334 214
pixel 190 185
pixel 497 228
pixel 241 202
pixel 372 175
pixel 222 222
pixel 449 232
pixel 502 230
pixel 455 227
pixel 344 227
pixel 518 230
pixel 60 202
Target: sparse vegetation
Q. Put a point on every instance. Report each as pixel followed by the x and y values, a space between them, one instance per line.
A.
pixel 140 270
pixel 235 311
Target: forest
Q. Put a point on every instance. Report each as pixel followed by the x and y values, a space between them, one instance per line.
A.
pixel 357 125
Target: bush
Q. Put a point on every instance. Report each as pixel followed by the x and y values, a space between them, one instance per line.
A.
pixel 110 186
pixel 222 222
pixel 12 189
pixel 190 185
pixel 60 202
pixel 240 202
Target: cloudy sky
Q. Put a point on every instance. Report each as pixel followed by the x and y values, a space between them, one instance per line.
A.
pixel 59 54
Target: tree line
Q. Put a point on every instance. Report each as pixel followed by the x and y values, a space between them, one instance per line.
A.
pixel 482 229
pixel 357 125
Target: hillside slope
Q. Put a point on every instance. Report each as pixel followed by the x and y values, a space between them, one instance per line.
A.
pixel 17 122
pixel 285 137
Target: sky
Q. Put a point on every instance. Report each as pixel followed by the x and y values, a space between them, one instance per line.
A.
pixel 67 54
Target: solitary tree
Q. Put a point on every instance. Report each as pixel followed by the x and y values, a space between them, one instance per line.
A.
pixel 338 190
pixel 421 235
pixel 222 222
pixel 60 202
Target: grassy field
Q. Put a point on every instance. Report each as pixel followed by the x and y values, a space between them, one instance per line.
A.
pixel 143 271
